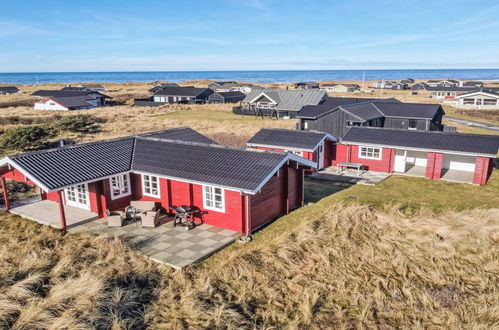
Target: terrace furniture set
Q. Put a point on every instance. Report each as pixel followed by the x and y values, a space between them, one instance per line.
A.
pixel 151 216
pixel 340 167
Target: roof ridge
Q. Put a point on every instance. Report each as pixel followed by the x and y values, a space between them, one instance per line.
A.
pixel 294 130
pixel 218 146
pixel 424 132
pixel 74 146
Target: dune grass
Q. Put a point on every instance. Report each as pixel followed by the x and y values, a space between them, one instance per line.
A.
pixel 415 193
pixel 324 265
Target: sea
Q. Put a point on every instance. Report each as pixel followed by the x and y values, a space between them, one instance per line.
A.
pixel 249 76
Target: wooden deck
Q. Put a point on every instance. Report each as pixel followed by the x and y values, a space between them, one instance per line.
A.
pixel 47 213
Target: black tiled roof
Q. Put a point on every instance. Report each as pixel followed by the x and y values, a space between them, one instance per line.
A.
pixel 238 168
pixel 231 94
pixel 364 111
pixel 79 163
pixel 409 110
pixel 8 89
pixel 287 138
pixel 330 103
pixel 66 92
pixel 73 101
pixel 181 91
pixel 217 165
pixel 429 140
pixel 181 134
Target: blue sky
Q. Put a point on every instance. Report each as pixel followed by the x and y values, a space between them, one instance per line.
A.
pixel 39 36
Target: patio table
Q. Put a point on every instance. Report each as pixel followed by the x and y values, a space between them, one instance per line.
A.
pixel 344 165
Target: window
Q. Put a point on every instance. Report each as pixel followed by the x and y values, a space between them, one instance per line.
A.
pixel 120 186
pixel 353 123
pixel 413 124
pixel 370 152
pixel 305 126
pixel 489 102
pixel 469 101
pixel 213 198
pixel 150 185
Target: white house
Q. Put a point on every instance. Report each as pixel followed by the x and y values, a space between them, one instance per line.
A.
pixel 479 99
pixel 65 103
pixel 340 88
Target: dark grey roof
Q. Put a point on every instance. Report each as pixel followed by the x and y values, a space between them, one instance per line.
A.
pixel 8 89
pixel 287 138
pixel 315 111
pixel 488 90
pixel 73 101
pixel 182 91
pixel 217 165
pixel 66 92
pixel 364 111
pixel 231 94
pixel 238 168
pixel 450 89
pixel 181 134
pixel 409 110
pixel 67 166
pixel 428 140
pixel 161 86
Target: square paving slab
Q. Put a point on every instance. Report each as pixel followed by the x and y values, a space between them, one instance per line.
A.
pixel 173 246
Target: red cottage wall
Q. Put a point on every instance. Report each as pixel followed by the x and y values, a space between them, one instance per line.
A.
pixel 329 152
pixel 483 167
pixel 430 165
pixel 15 175
pixel 439 162
pixel 351 154
pixel 266 148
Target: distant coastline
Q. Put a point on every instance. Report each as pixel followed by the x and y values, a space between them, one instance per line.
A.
pixel 260 76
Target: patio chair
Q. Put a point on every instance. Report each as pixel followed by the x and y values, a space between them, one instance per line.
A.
pixel 152 218
pixel 115 218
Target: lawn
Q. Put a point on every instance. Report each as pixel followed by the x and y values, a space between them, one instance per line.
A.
pixel 484 116
pixel 416 193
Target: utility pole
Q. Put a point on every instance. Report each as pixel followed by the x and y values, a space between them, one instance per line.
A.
pixel 363 78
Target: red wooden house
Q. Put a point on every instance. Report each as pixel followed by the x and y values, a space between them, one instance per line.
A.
pixel 234 188
pixel 318 147
pixel 435 155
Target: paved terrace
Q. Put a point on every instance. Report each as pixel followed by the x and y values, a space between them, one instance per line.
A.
pixel 173 246
pixel 349 175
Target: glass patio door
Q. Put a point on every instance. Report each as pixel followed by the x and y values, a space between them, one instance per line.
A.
pixel 77 196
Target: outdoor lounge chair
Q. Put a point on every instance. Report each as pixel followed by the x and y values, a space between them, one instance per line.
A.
pixel 152 218
pixel 114 219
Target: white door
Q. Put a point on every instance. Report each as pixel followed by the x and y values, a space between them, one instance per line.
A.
pixel 459 163
pixel 77 196
pixel 320 158
pixel 399 161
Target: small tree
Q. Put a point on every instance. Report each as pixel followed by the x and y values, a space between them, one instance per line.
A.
pixel 24 138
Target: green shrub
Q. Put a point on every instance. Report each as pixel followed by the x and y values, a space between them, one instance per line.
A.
pixel 24 138
pixel 76 123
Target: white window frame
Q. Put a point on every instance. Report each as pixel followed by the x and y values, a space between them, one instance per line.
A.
pixel 211 190
pixel 370 150
pixel 147 181
pixel 120 180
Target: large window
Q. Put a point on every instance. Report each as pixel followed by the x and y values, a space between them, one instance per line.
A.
pixel 354 123
pixel 120 186
pixel 213 198
pixel 413 124
pixel 469 101
pixel 150 185
pixel 489 102
pixel 370 152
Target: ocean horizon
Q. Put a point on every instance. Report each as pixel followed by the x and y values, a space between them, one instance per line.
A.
pixel 257 76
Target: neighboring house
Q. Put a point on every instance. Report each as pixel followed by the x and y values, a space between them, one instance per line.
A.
pixel 407 81
pixel 314 146
pixel 95 87
pixel 337 115
pixel 307 85
pixel 419 86
pixel 435 155
pixel 230 86
pixel 449 93
pixel 100 99
pixel 6 90
pixel 65 103
pixel 387 84
pixel 191 95
pixel 479 99
pixel 443 83
pixel 279 103
pixel 226 97
pixel 476 84
pixel 169 168
pixel 340 88
pixel 161 86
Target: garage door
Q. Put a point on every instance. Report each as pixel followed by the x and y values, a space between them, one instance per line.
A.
pixel 460 163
